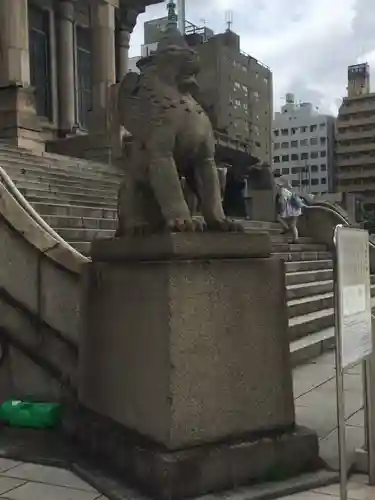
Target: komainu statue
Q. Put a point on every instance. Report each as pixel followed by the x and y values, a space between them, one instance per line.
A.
pixel 172 138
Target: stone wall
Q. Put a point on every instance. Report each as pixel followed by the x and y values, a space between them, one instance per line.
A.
pixel 39 302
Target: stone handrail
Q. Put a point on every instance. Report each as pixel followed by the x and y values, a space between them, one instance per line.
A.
pixel 319 221
pixel 60 251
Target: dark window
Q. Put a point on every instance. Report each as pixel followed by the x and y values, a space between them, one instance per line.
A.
pixel 295 157
pixel 323 140
pixel 295 183
pixel 276 145
pixel 314 154
pixel 294 144
pixel 305 182
pixel 276 159
pixel 304 142
pixel 277 171
pixel 322 125
pixel 323 154
pixel 284 131
pixel 313 128
pixel 304 156
pixel 314 182
pixel 295 170
pixel 303 130
pixel 285 145
pixel 285 171
pixel 40 62
pixel 314 141
pixel 323 167
pixel 323 181
pixel 314 168
pixel 83 75
pixel 285 158
pixel 276 132
pixel 294 130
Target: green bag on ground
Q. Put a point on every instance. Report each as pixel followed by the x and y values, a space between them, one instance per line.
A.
pixel 32 415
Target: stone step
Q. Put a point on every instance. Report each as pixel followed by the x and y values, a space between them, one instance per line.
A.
pixel 301 290
pixel 66 210
pixel 56 161
pixel 32 169
pixel 259 224
pixel 18 174
pixel 313 303
pixel 71 235
pixel 302 256
pixel 67 222
pixel 307 289
pixel 294 278
pixel 74 199
pixel 283 238
pixel 300 326
pixel 308 265
pixel 312 346
pixel 298 247
pixel 310 304
pixel 26 186
pixel 81 246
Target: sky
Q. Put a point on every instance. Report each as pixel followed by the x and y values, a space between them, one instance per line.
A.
pixel 308 44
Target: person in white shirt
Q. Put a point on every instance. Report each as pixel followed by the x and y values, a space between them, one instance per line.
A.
pixel 289 207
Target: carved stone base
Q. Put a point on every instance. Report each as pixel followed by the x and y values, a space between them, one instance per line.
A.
pixel 185 343
pixel 174 475
pixel 19 124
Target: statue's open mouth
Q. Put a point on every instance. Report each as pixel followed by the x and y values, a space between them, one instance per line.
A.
pixel 188 82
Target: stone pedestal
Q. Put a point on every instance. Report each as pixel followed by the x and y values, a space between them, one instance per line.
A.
pixel 185 348
pixel 19 124
pixel 263 205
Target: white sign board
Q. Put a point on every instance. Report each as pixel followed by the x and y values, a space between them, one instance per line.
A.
pixel 353 315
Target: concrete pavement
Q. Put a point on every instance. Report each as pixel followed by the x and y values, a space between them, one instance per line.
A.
pixel 315 397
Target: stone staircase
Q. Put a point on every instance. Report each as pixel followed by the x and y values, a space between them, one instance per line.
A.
pixel 78 199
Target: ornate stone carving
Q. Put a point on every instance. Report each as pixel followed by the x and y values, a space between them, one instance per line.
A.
pixel 172 138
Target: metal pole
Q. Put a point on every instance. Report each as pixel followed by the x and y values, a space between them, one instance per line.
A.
pixel 340 388
pixel 369 417
pixel 181 15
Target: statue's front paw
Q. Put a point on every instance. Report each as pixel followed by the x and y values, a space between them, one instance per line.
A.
pixel 180 225
pixel 225 225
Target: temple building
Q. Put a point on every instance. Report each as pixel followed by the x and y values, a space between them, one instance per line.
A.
pixel 57 60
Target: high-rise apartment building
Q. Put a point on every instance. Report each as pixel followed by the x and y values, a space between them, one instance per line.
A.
pixel 303 146
pixel 355 136
pixel 236 88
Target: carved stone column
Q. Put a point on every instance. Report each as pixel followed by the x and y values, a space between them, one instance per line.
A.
pixel 14 43
pixel 66 80
pixel 127 19
pixel 19 124
pixel 104 67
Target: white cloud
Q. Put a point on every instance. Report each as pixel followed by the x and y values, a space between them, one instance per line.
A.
pixel 307 44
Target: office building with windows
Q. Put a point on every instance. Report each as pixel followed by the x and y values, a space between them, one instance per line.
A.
pixel 58 58
pixel 236 88
pixel 355 143
pixel 303 146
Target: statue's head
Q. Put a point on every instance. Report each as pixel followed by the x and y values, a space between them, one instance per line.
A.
pixel 175 59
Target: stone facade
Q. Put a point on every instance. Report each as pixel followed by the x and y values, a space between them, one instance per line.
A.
pixel 58 58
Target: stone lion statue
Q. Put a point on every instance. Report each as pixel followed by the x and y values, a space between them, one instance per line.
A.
pixel 172 138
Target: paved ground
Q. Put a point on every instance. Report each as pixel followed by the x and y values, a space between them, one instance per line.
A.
pixel 20 481
pixel 315 396
pixel 357 490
